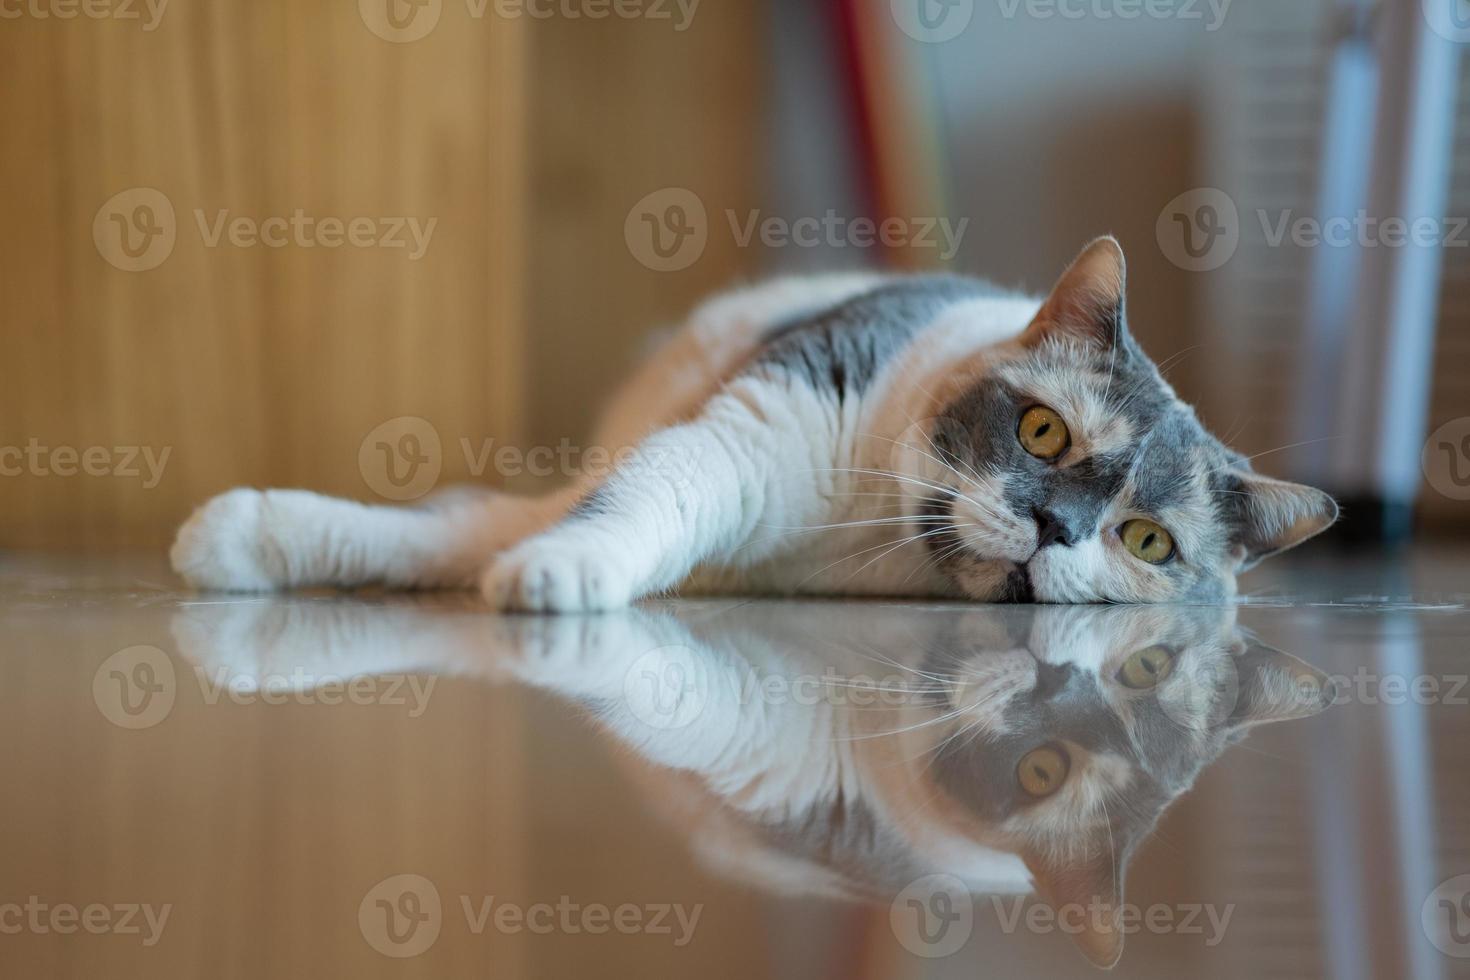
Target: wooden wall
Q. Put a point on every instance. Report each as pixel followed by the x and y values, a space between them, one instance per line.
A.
pixel 621 110
pixel 255 364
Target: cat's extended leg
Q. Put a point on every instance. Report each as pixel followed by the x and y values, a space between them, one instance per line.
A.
pixel 250 540
pixel 690 494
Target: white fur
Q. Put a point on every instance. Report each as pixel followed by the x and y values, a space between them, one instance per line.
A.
pixel 720 502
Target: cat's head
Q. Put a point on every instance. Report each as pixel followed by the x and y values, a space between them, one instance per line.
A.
pixel 1073 473
pixel 1068 738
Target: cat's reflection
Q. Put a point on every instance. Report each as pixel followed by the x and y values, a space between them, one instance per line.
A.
pixel 850 748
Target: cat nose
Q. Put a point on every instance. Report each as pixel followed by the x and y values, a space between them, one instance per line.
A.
pixel 1050 529
pixel 1050 678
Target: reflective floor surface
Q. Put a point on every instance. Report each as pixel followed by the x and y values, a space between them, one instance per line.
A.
pixel 410 786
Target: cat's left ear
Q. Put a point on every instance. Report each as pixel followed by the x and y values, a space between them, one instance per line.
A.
pixel 1275 515
pixel 1087 302
pixel 1087 897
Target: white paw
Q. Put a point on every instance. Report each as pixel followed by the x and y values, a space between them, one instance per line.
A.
pixel 223 547
pixel 542 576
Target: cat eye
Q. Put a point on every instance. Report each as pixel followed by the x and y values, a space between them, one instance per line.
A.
pixel 1146 540
pixel 1043 434
pixel 1042 771
pixel 1145 668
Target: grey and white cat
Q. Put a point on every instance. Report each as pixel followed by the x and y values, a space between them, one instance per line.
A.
pixel 1007 748
pixel 839 435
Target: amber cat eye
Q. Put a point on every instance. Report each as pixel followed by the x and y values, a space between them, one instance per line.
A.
pixel 1146 540
pixel 1042 771
pixel 1145 668
pixel 1043 434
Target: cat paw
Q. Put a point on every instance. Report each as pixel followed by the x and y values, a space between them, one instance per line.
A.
pixel 222 547
pixel 545 577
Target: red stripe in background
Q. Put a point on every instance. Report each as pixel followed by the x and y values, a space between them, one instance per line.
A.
pixel 852 76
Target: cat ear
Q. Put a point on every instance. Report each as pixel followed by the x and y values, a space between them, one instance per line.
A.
pixel 1275 686
pixel 1276 515
pixel 1087 301
pixel 1087 898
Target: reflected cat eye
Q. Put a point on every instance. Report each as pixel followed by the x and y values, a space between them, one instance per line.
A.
pixel 1043 434
pixel 1042 771
pixel 1146 540
pixel 1145 668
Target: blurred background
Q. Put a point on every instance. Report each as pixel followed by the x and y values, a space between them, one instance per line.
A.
pixel 255 243
pixel 245 237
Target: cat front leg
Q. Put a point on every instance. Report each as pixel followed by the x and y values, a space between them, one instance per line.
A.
pixel 249 540
pixel 689 494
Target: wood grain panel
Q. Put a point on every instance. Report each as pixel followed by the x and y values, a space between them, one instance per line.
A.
pixel 622 109
pixel 250 365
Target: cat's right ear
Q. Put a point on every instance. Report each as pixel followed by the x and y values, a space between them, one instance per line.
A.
pixel 1087 301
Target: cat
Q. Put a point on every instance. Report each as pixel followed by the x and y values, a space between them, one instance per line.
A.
pixel 853 434
pixel 1008 748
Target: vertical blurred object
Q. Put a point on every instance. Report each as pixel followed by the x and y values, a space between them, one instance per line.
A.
pixel 896 125
pixel 1380 346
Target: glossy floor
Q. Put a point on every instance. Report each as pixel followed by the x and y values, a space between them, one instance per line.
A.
pixel 392 786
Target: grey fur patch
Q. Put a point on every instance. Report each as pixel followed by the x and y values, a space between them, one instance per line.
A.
pixel 843 347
